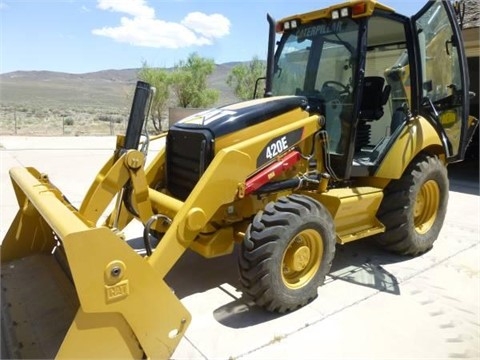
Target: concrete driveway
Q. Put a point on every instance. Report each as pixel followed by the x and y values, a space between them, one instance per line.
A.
pixel 374 305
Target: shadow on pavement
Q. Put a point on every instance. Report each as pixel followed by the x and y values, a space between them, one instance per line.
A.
pixel 195 274
pixel 240 314
pixel 359 263
pixel 464 177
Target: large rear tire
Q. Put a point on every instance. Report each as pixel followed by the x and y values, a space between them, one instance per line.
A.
pixel 286 253
pixel 414 207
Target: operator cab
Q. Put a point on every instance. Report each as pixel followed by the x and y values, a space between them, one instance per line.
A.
pixel 368 71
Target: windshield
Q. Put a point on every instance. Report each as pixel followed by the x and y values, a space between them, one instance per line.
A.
pixel 319 60
pixel 316 53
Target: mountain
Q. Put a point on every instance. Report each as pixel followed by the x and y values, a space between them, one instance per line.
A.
pixel 106 88
pixel 108 75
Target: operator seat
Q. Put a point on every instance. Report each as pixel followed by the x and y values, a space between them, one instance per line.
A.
pixel 375 96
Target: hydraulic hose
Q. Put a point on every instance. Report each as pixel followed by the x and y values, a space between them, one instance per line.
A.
pixel 146 230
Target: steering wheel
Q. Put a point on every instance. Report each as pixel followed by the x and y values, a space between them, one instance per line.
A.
pixel 344 89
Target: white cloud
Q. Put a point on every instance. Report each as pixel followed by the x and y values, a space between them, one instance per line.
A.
pixel 215 25
pixel 144 29
pixel 152 33
pixel 136 8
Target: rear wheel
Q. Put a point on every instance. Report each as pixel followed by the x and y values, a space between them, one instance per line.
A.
pixel 414 207
pixel 287 251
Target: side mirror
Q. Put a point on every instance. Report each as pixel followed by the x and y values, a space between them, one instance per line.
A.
pixel 256 86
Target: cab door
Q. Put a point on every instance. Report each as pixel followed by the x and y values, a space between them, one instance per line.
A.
pixel 443 75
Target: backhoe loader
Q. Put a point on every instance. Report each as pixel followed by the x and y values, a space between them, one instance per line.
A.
pixel 363 109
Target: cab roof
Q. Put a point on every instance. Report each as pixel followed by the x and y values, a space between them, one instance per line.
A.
pixel 357 8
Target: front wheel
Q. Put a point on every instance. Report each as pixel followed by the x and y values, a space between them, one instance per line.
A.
pixel 287 251
pixel 414 207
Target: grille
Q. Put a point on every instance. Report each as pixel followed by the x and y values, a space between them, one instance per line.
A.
pixel 188 155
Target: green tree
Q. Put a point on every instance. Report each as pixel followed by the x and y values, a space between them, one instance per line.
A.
pixel 160 79
pixel 242 78
pixel 189 82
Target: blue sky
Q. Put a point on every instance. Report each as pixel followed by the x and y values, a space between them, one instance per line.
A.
pixel 79 36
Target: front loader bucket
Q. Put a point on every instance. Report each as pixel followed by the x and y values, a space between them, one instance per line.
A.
pixel 38 305
pixel 74 290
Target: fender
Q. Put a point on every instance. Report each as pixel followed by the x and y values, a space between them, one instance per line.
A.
pixel 417 135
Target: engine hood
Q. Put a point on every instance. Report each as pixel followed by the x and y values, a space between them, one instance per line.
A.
pixel 230 118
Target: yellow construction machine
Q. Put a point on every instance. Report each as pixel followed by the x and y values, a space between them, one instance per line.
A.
pixel 363 110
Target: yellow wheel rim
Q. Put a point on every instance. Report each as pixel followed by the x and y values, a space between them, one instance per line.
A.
pixel 301 260
pixel 426 206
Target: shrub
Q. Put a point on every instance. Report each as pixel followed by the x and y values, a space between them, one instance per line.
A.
pixel 68 121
